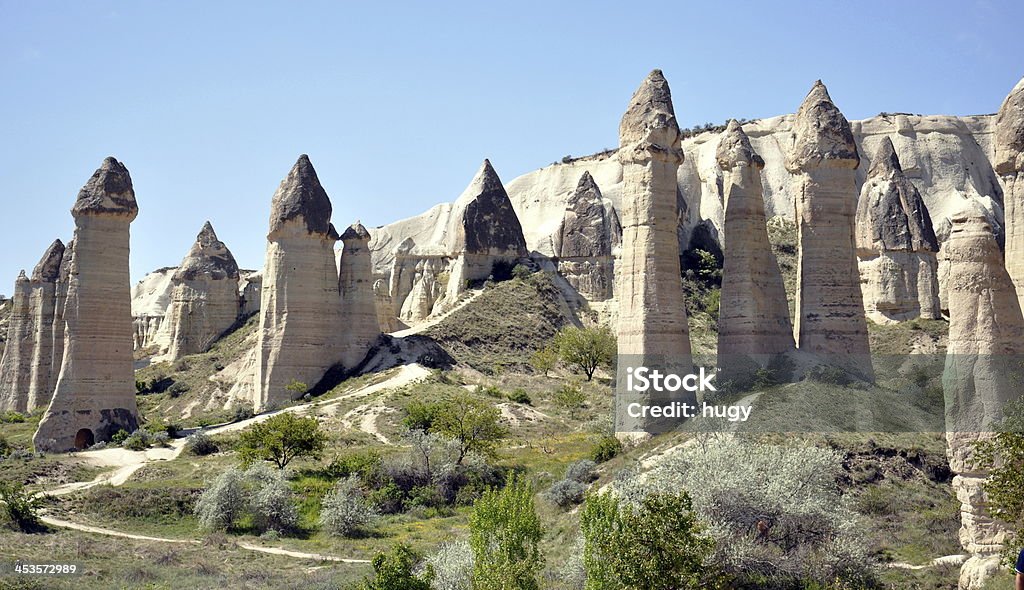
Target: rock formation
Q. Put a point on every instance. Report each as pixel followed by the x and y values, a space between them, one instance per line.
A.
pixel 358 305
pixel 204 297
pixel 829 320
pixel 250 286
pixel 483 232
pixel 42 306
pixel 985 335
pixel 16 368
pixel 753 320
pixel 151 305
pixel 590 231
pixel 94 396
pixel 300 311
pixel 1009 164
pixel 896 246
pixel 652 327
pixel 59 327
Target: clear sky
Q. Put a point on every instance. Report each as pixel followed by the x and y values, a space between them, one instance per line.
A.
pixel 208 104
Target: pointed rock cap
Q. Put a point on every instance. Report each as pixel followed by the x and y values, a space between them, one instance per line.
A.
pixel 886 161
pixel 48 269
pixel 483 219
pixel 208 258
pixel 22 278
pixel 734 149
pixel 823 135
pixel 650 121
pixel 108 192
pixel 356 232
pixel 301 197
pixel 1009 139
pixel 586 191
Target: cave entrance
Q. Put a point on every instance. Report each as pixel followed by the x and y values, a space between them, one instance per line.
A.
pixel 84 439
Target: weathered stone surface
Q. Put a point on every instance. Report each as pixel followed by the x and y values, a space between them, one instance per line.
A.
pixel 300 310
pixel 59 327
pixel 204 296
pixel 896 245
pixel 651 327
pixel 589 233
pixel 829 319
pixel 1009 164
pixel 985 334
pixel 42 306
pixel 15 368
pixel 358 305
pixel 95 392
pixel 151 304
pixel 753 326
pixel 250 284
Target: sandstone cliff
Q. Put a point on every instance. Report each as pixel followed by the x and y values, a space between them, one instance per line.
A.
pixel 1009 164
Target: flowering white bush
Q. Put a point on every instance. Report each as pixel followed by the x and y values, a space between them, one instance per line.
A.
pixel 345 508
pixel 453 566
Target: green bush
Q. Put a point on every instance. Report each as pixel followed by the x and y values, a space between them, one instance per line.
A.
pixel 12 417
pixel 200 444
pixel 420 415
pixel 505 533
pixel 490 390
pixel 281 438
pixel 521 271
pixel 395 569
pixel 544 360
pixel 586 349
pixel 607 448
pixel 520 396
pixel 346 509
pixel 21 507
pixel 5 447
pixel 570 397
pixel 177 389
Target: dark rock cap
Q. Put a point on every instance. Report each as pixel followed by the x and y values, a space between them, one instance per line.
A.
pixel 301 196
pixel 893 209
pixel 823 135
pixel 108 192
pixel 22 278
pixel 1009 139
pixel 588 229
pixel 48 269
pixel 886 162
pixel 208 258
pixel 734 148
pixel 356 231
pixel 650 119
pixel 489 223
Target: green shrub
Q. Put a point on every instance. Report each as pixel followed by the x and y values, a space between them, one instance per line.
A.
pixel 566 492
pixel 420 415
pixel 177 389
pixel 346 509
pixel 242 413
pixel 281 438
pixel 505 533
pixel 570 397
pixel 5 447
pixel 12 417
pixel 520 396
pixel 607 448
pixel 490 390
pixel 395 571
pixel 21 507
pixel 544 360
pixel 200 444
pixel 521 271
pixel 586 349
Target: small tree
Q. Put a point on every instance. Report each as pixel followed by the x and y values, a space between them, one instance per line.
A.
pixel 346 509
pixel 221 504
pixel 504 534
pixel 20 506
pixel 297 389
pixel 474 424
pixel 586 349
pixel 544 360
pixel 281 438
pixel 394 571
pixel 1004 455
pixel 571 397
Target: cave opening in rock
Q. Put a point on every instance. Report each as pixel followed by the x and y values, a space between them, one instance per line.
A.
pixel 84 439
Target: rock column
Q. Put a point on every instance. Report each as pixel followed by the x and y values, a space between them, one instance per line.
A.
pixel 300 308
pixel 95 393
pixel 1009 165
pixel 829 321
pixel 42 304
pixel 358 306
pixel 753 326
pixel 16 368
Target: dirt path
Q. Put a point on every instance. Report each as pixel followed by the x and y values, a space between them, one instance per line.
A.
pixel 434 320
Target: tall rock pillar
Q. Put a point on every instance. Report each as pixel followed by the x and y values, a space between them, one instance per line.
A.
pixel 95 393
pixel 300 308
pixel 358 304
pixel 753 325
pixel 43 302
pixel 1009 164
pixel 986 332
pixel 16 368
pixel 829 319
pixel 652 328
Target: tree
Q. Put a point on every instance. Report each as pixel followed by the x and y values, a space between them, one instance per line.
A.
pixel 586 349
pixel 259 493
pixel 281 438
pixel 345 508
pixel 394 571
pixel 571 397
pixel 474 424
pixel 544 360
pixel 504 532
pixel 1003 454
pixel 21 507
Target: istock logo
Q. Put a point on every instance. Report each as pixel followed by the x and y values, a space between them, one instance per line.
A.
pixel 643 379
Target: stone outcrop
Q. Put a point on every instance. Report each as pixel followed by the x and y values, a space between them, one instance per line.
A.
pixel 250 285
pixel 829 320
pixel 16 368
pixel 300 311
pixel 151 304
pixel 585 242
pixel 204 296
pixel 1009 164
pixel 652 327
pixel 986 330
pixel 42 305
pixel 358 302
pixel 94 396
pixel 896 245
pixel 753 325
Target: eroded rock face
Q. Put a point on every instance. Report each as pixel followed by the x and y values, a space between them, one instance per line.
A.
pixel 358 305
pixel 204 296
pixel 1009 164
pixel 300 311
pixel 753 326
pixel 250 284
pixel 16 368
pixel 985 334
pixel 95 392
pixel 589 233
pixel 43 305
pixel 652 327
pixel 829 319
pixel 896 245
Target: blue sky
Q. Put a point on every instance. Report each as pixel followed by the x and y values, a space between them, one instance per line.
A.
pixel 210 103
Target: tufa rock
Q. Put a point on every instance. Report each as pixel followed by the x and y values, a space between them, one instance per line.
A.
pixel 358 302
pixel 95 392
pixel 589 232
pixel 1009 164
pixel 15 367
pixel 823 137
pixel 301 197
pixel 42 306
pixel 896 245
